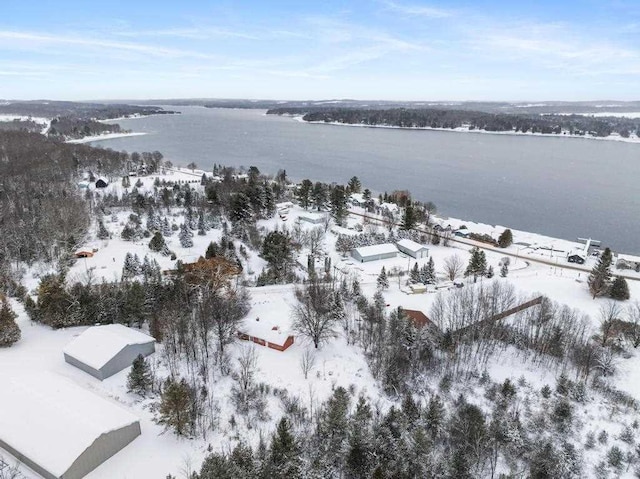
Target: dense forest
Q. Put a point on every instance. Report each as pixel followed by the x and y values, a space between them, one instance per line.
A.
pixel 473 120
pixel 70 120
pixel 98 111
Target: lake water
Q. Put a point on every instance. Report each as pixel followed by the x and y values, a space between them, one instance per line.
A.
pixel 562 187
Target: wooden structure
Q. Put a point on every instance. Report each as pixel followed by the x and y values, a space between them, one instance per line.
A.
pixel 270 344
pixel 418 318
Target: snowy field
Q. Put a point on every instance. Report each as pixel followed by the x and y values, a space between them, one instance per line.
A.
pixel 106 136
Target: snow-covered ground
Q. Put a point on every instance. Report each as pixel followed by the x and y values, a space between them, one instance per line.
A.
pixel 106 136
pixel 157 453
pixel 42 121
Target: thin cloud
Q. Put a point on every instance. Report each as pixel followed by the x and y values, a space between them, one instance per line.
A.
pixel 195 33
pixel 417 10
pixel 153 50
pixel 554 46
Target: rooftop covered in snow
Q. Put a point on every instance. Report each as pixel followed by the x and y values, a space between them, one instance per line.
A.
pixel 104 350
pixel 411 245
pixel 57 428
pixel 269 319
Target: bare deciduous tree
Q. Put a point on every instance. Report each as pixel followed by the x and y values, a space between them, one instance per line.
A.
pixel 609 313
pixel 314 240
pixel 312 317
pixel 453 267
pixel 307 362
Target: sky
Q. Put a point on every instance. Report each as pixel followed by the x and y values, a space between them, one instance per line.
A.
pixel 297 50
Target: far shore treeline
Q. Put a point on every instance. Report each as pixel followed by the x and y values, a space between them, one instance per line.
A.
pixel 473 120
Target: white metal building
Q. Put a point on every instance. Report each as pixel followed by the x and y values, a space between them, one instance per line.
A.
pixel 375 252
pixel 102 351
pixel 313 218
pixel 413 249
pixel 59 429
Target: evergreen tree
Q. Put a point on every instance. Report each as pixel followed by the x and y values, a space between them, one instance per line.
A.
pixel 128 233
pixel 131 267
pixel 506 239
pixel 619 289
pixel 477 264
pixel 599 280
pixel 383 282
pixel 319 196
pixel 408 218
pixel 212 250
pixel 186 236
pixel 166 228
pixel 158 244
pixel 102 231
pixel 415 274
pixel 303 193
pixel 151 270
pixel 435 415
pixel 202 228
pixel 428 272
pixel 9 330
pixel 490 272
pixel 126 182
pixel 278 252
pixel 53 302
pixel 175 408
pixel 140 378
pixel 354 185
pixel 283 461
pixel 339 210
pixel 504 270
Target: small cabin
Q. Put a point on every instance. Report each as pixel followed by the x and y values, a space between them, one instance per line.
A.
pixel 575 257
pixel 85 252
pixel 101 183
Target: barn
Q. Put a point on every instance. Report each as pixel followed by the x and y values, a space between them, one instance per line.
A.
pixel 59 429
pixel 102 351
pixel 269 323
pixel 413 249
pixel 375 252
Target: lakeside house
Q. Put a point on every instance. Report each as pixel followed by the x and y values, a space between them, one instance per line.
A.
pixel 578 257
pixel 376 252
pixel 413 249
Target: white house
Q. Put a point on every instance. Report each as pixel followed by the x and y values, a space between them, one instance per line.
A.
pixel 375 252
pixel 102 351
pixel 413 249
pixel 59 429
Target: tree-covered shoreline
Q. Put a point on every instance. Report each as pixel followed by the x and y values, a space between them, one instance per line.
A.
pixel 574 125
